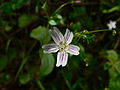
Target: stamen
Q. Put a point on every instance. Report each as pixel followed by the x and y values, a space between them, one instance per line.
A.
pixel 63 46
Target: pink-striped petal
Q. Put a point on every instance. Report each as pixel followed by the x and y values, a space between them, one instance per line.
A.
pixel 68 36
pixel 50 48
pixel 62 59
pixel 72 49
pixel 56 35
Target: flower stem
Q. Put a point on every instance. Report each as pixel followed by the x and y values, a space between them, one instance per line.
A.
pixel 95 31
pixel 89 32
pixel 40 85
pixel 58 9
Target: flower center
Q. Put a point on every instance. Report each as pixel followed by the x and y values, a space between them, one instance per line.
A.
pixel 63 46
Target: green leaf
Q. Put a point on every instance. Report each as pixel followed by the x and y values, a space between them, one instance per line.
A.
pixel 5 25
pixel 114 84
pixel 56 19
pixel 116 8
pixel 18 3
pixel 25 20
pixel 47 64
pixel 7 28
pixel 24 78
pixel 52 22
pixel 40 33
pixel 45 7
pixel 112 73
pixel 88 22
pixel 4 77
pixel 76 26
pixel 112 55
pixel 3 62
pixel 7 7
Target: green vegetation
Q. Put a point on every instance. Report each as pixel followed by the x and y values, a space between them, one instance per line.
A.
pixel 24 29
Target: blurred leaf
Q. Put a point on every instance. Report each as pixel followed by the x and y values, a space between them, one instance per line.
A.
pixel 77 12
pixel 7 7
pixel 47 64
pixel 18 3
pixel 25 20
pixel 52 22
pixel 108 3
pixel 88 23
pixel 45 7
pixel 107 66
pixel 117 64
pixel 5 25
pixel 114 84
pixel 24 78
pixel 113 73
pixel 56 19
pixel 76 26
pixel 112 55
pixel 40 33
pixel 3 62
pixel 116 8
pixel 4 77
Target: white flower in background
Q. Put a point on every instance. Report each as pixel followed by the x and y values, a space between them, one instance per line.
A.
pixel 111 24
pixel 62 44
pixel 77 1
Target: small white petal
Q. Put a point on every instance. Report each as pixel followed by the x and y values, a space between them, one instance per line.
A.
pixel 72 49
pixel 50 48
pixel 62 59
pixel 68 36
pixel 111 24
pixel 56 35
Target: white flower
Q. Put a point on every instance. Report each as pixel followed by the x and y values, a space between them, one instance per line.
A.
pixel 111 24
pixel 62 44
pixel 77 1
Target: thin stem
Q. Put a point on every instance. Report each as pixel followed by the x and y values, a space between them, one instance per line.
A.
pixel 7 45
pixel 40 85
pixel 95 31
pixel 118 20
pixel 21 67
pixel 58 9
pixel 31 48
pixel 89 32
pixel 67 83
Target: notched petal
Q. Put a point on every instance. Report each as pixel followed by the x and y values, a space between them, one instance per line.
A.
pixel 62 58
pixel 56 35
pixel 68 36
pixel 72 49
pixel 50 48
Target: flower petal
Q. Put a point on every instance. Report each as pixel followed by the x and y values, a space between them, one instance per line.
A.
pixel 56 35
pixel 72 49
pixel 68 36
pixel 111 24
pixel 62 59
pixel 50 48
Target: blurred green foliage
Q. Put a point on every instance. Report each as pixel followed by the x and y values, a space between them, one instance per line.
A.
pixel 24 26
